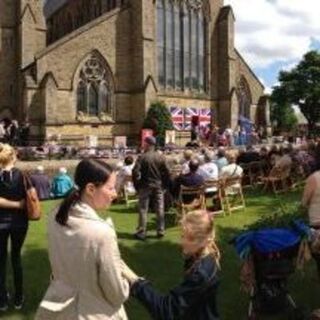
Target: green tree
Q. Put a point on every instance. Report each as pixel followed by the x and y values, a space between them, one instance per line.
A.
pixel 282 112
pixel 301 86
pixel 159 120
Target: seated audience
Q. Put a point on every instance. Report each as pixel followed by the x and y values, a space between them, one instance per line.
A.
pixel 124 173
pixel 195 297
pixel 191 179
pixel 285 160
pixel 41 182
pixel 193 144
pixel 222 160
pixel 209 169
pixel 187 155
pixel 232 170
pixel 250 155
pixel 61 184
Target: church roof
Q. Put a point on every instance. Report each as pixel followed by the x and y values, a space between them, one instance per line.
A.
pixel 51 6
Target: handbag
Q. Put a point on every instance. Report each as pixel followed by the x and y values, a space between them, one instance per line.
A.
pixel 32 203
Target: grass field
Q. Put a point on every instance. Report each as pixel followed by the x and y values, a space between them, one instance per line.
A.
pixel 161 261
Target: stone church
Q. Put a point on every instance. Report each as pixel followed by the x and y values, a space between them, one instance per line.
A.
pixel 93 67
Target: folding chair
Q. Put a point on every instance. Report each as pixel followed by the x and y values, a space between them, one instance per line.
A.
pixel 256 172
pixel 232 194
pixel 129 195
pixel 197 202
pixel 297 176
pixel 213 190
pixel 278 179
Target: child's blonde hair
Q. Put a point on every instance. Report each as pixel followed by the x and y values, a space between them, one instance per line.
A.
pixel 200 225
pixel 7 155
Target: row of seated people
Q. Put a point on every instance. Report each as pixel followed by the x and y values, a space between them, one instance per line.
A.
pixel 192 174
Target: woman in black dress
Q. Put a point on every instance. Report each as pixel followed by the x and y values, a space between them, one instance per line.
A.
pixel 13 225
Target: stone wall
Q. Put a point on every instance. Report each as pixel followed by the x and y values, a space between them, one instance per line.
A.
pixel 8 56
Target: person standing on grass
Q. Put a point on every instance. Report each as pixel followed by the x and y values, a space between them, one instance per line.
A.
pixel 195 297
pixel 85 260
pixel 13 225
pixel 150 177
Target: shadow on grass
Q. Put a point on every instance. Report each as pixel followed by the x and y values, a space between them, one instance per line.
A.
pixel 159 261
pixel 36 279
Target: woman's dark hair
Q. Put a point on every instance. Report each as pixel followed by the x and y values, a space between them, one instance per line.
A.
pixel 92 171
pixel 128 160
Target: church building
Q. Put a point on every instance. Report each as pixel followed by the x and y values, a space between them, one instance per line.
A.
pixel 74 68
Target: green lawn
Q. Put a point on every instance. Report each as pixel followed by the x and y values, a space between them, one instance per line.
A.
pixel 160 260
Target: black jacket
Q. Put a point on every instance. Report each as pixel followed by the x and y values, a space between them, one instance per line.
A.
pixel 193 299
pixel 12 188
pixel 151 171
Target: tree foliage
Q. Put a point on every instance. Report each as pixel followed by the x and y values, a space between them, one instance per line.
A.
pixel 282 112
pixel 159 120
pixel 301 86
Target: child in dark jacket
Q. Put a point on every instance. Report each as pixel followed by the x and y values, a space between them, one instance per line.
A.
pixel 195 297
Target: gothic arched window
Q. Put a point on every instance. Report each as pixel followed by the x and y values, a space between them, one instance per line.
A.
pixel 95 89
pixel 244 98
pixel 181 32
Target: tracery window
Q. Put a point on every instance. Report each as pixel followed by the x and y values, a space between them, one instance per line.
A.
pixel 95 89
pixel 181 33
pixel 244 98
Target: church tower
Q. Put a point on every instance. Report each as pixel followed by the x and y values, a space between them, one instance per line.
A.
pixel 32 30
pixel 8 57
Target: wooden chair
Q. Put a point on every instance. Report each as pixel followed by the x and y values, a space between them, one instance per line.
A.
pixel 213 190
pixel 256 172
pixel 278 179
pixel 232 194
pixel 297 177
pixel 198 202
pixel 129 197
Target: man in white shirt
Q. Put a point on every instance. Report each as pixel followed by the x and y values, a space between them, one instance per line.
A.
pixel 209 169
pixel 232 170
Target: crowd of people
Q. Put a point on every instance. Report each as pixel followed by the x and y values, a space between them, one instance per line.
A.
pixel 100 284
pixel 13 133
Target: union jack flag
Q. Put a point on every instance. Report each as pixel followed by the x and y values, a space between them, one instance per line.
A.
pixel 177 118
pixel 203 114
pixel 188 114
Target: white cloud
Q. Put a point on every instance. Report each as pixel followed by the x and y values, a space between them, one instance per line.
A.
pixel 269 31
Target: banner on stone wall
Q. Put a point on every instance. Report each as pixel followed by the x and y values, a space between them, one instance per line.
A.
pixel 144 134
pixel 182 117
pixel 177 116
pixel 170 137
pixel 120 142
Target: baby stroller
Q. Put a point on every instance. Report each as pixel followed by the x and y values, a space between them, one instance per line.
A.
pixel 272 253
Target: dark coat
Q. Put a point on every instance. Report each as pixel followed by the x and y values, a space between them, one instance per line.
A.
pixel 42 184
pixel 193 299
pixel 151 171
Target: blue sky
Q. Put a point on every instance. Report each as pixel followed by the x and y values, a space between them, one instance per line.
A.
pixel 274 34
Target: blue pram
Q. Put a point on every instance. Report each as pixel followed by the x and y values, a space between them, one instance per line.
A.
pixel 273 253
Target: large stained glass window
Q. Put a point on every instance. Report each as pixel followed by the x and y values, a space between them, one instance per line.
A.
pixel 95 89
pixel 181 44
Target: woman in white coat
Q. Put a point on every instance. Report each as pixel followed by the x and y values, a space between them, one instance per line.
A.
pixel 86 265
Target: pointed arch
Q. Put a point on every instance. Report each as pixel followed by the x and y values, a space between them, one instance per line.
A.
pixel 182 44
pixel 93 86
pixel 244 97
